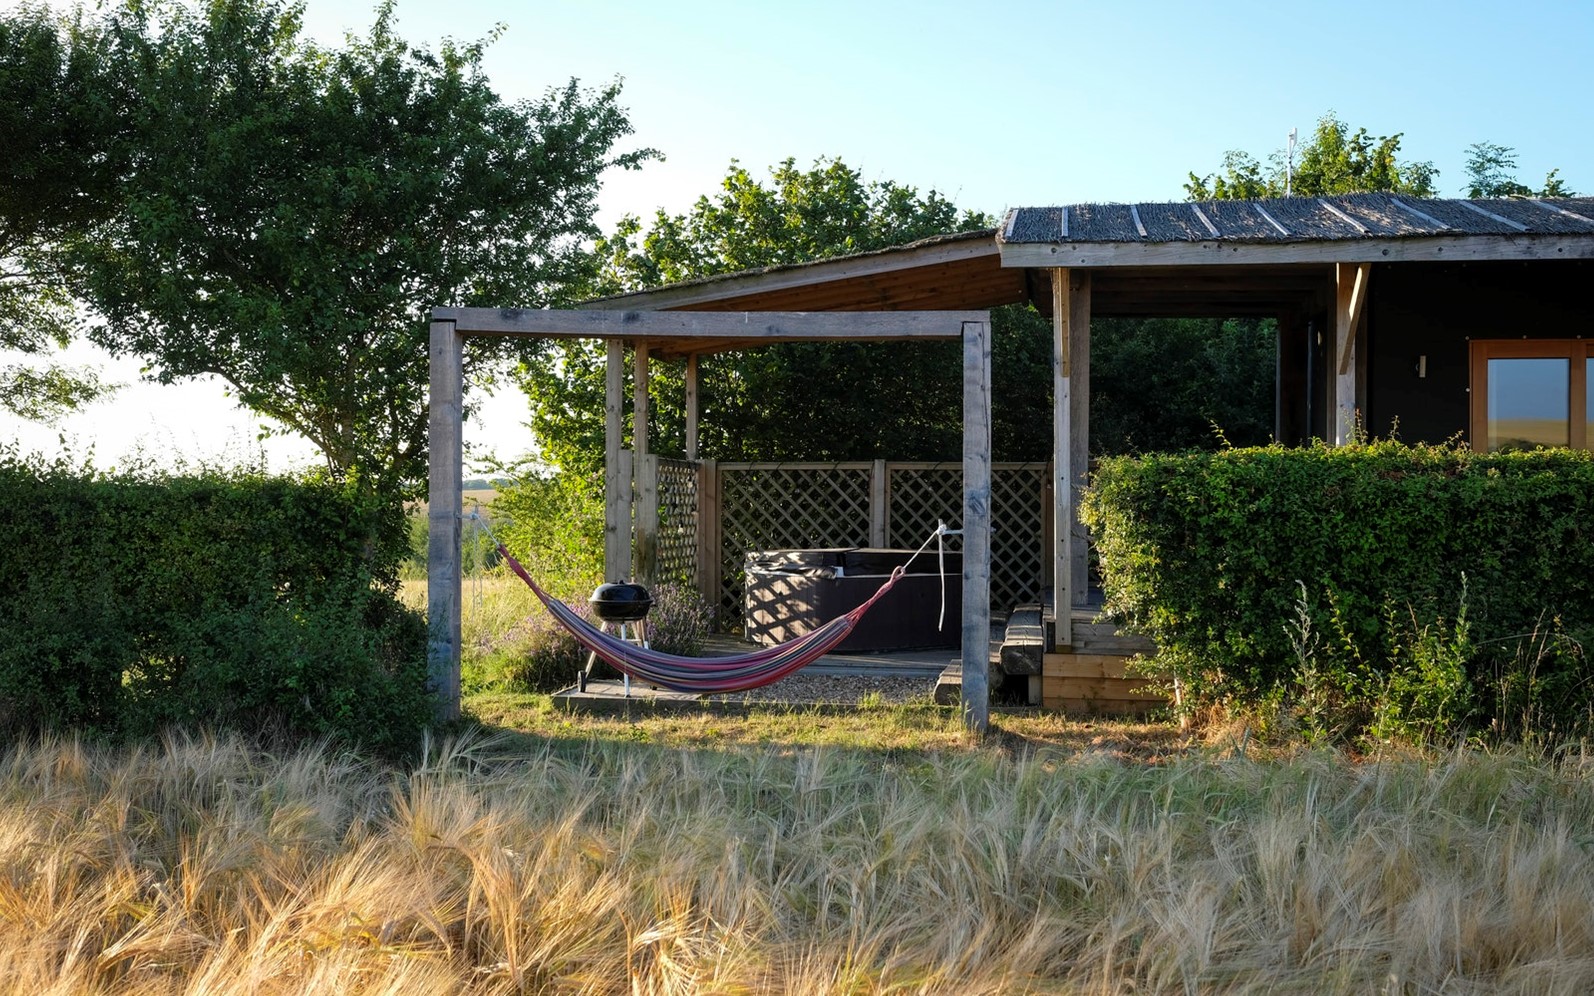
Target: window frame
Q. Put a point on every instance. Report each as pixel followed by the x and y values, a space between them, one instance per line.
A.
pixel 1576 351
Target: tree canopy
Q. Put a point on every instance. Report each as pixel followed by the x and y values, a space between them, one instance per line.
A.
pixel 832 401
pixel 285 214
pixel 62 118
pixel 1334 161
pixel 1491 172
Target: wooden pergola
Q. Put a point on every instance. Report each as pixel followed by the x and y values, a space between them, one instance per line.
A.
pixel 1312 263
pixel 688 334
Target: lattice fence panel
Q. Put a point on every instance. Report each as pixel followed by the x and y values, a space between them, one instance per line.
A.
pixel 1018 556
pixel 921 496
pixel 678 511
pixel 778 508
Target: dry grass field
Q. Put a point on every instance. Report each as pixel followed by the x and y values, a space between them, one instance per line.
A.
pixel 599 856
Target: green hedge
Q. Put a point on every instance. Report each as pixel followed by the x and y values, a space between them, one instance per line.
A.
pixel 130 602
pixel 1365 563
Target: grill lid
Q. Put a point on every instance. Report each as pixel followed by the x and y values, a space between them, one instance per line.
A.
pixel 620 601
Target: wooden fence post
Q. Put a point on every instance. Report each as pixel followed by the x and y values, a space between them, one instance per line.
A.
pixel 445 486
pixel 708 532
pixel 976 643
pixel 647 518
pixel 879 507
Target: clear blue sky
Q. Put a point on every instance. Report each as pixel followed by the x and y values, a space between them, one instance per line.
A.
pixel 995 105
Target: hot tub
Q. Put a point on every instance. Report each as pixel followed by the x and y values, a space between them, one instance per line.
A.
pixel 792 592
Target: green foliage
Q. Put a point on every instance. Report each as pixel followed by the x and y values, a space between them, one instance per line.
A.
pixel 801 216
pixel 808 400
pixel 285 214
pixel 58 180
pixel 1179 384
pixel 553 522
pixel 1324 574
pixel 1334 161
pixel 130 602
pixel 1491 172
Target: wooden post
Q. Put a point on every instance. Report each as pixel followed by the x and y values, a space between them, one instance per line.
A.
pixel 445 493
pixel 616 483
pixel 1078 433
pixel 879 510
pixel 1351 285
pixel 647 517
pixel 976 644
pixel 691 407
pixel 639 400
pixel 1062 557
pixel 708 532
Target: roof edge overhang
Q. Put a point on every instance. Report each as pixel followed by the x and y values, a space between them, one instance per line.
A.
pixel 1433 249
pixel 711 291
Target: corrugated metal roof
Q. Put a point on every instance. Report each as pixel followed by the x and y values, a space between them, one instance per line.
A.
pixel 1299 219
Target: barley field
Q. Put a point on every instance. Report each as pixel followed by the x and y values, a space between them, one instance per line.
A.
pixel 589 861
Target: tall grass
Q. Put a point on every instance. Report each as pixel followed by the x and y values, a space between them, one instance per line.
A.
pixel 205 865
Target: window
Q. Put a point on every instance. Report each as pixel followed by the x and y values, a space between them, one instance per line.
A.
pixel 1530 393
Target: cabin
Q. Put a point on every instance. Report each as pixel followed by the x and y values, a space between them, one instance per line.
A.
pixel 1437 319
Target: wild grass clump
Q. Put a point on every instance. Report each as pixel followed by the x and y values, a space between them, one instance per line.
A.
pixel 204 864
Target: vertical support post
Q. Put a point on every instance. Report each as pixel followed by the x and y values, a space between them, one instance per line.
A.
pixel 1078 433
pixel 691 407
pixel 1062 553
pixel 879 509
pixel 639 400
pixel 616 481
pixel 445 493
pixel 708 532
pixel 1351 298
pixel 647 517
pixel 976 643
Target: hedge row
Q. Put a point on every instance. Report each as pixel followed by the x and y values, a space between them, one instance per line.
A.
pixel 1248 566
pixel 130 602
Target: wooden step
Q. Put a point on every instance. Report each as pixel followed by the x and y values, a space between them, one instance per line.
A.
pixel 1100 684
pixel 1023 642
pixel 949 686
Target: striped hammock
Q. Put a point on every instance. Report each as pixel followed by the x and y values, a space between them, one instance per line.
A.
pixel 703 675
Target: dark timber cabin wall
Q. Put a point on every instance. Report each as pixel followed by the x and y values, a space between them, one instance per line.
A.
pixel 1434 309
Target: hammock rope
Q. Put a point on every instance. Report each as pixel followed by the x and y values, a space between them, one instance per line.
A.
pixel 710 675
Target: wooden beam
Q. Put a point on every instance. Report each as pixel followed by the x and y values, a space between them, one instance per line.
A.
pixel 889 261
pixel 1351 299
pixel 1424 249
pixel 445 494
pixel 616 482
pixel 976 637
pixel 692 409
pixel 752 328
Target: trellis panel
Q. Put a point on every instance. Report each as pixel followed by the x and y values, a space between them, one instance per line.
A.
pixel 678 527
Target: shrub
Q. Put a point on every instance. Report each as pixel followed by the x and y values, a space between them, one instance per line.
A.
pixel 1216 556
pixel 132 601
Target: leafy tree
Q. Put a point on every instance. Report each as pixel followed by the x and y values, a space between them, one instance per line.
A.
pixel 802 215
pixel 1491 172
pixel 61 116
pixel 1181 384
pixel 1335 161
pixel 292 212
pixel 807 400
